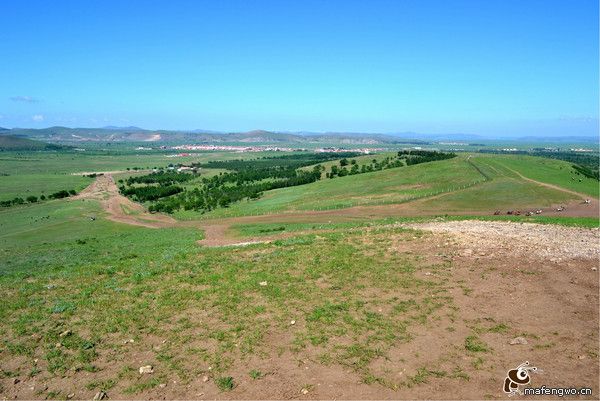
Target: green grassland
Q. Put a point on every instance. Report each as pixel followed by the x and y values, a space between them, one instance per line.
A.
pixel 24 185
pixel 104 283
pixel 507 190
pixel 36 173
pixel 467 182
pixel 546 170
pixel 382 187
pixel 188 308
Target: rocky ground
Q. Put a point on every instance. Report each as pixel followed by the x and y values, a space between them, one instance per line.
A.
pixel 550 242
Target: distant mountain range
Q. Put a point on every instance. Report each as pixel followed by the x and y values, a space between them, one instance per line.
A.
pixel 137 134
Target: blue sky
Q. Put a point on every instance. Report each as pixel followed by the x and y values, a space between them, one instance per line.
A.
pixel 497 68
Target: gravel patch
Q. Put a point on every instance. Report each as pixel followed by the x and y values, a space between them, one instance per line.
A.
pixel 552 242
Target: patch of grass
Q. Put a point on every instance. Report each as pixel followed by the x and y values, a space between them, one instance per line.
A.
pixel 256 374
pixel 225 383
pixel 499 328
pixel 103 385
pixel 143 386
pixel 475 344
pixel 422 376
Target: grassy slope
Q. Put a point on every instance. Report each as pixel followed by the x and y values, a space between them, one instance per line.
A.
pixel 129 282
pixel 556 172
pixel 382 187
pixel 10 143
pixel 505 189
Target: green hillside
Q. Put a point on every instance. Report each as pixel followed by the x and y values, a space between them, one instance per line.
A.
pixel 10 142
pixel 465 183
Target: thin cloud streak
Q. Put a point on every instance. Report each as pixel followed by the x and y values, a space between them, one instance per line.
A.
pixel 24 99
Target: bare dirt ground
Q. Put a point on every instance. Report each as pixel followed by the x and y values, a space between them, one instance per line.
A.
pixel 551 242
pixel 536 282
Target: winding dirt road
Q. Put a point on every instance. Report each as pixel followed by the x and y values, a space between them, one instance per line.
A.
pixel 217 232
pixel 121 209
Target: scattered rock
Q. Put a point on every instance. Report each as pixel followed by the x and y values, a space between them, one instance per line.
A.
pixel 58 345
pixel 518 341
pixel 594 269
pixel 205 378
pixel 581 357
pixel 130 341
pixel 162 385
pixel 293 322
pixel 100 395
pixel 146 369
pixel 65 333
pixel 304 391
pixel 69 396
pixel 263 283
pixel 39 388
pixel 427 273
pixel 16 380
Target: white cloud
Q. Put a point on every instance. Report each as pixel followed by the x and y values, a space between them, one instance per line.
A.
pixel 26 99
pixel 37 117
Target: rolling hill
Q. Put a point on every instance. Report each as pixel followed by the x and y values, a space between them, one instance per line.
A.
pixel 467 183
pixel 11 142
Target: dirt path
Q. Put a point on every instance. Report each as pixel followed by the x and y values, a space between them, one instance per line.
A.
pixel 544 184
pixel 109 172
pixel 120 208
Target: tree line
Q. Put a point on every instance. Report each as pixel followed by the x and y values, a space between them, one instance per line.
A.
pixel 249 179
pixel 34 199
pixel 408 157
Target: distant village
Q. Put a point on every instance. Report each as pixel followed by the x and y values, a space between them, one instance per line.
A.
pixel 250 149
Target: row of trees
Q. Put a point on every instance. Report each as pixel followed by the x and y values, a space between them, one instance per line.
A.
pixel 423 156
pixel 34 199
pixel 352 167
pixel 150 192
pixel 405 156
pixel 294 161
pixel 248 179
pixel 160 177
pixel 216 193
